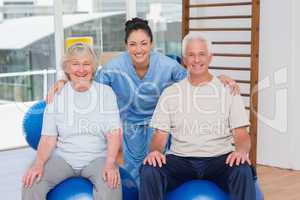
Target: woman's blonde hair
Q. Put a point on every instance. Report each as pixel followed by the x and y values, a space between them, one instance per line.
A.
pixel 77 50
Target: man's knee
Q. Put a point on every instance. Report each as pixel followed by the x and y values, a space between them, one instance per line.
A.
pixel 243 171
pixel 148 172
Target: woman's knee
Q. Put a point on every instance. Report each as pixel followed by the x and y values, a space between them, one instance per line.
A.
pixel 102 191
pixel 36 191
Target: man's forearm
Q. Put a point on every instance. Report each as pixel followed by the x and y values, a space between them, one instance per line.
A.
pixel 159 141
pixel 242 140
pixel 156 147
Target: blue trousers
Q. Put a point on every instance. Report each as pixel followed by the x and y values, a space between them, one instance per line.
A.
pixel 155 182
pixel 136 139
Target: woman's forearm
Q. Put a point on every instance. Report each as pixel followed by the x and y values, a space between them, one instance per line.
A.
pixel 113 146
pixel 45 148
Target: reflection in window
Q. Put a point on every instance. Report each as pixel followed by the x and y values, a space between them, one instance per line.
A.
pixel 165 20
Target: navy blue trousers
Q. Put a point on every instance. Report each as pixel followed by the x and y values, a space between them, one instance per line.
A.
pixel 155 182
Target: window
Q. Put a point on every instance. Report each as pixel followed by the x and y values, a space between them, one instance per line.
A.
pixel 103 20
pixel 28 40
pixel 165 20
pixel 26 45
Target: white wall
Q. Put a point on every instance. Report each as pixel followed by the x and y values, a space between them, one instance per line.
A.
pixel 278 136
pixel 11 118
pixel 295 92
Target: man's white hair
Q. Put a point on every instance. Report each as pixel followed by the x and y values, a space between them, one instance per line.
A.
pixel 195 36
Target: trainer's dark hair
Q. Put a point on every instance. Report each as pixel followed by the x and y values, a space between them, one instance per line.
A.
pixel 137 24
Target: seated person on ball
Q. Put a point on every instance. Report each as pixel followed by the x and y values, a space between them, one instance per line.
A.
pixel 205 120
pixel 80 134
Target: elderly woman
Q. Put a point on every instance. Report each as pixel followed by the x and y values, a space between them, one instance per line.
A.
pixel 80 134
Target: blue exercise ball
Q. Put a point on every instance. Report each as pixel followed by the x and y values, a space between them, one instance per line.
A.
pixel 79 188
pixel 259 194
pixel 75 188
pixel 32 123
pixel 198 190
pixel 204 190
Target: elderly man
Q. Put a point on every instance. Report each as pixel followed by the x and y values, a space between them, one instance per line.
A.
pixel 208 128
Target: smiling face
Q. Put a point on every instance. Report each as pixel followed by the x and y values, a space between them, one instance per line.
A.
pixel 197 58
pixel 79 64
pixel 80 72
pixel 139 46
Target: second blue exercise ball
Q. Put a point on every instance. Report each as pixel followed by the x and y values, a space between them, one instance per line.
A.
pixel 198 190
pixel 259 194
pixel 32 123
pixel 204 190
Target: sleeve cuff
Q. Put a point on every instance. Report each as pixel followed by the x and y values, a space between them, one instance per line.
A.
pixel 162 127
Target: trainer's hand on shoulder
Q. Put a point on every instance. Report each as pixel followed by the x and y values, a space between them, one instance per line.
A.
pixel 155 158
pixel 57 87
pixel 232 84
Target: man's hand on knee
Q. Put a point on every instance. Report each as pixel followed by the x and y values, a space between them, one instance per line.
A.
pixel 155 158
pixel 237 158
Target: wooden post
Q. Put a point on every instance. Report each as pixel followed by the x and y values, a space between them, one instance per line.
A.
pixel 185 17
pixel 254 78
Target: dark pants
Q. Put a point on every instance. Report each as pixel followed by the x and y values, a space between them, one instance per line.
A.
pixel 238 181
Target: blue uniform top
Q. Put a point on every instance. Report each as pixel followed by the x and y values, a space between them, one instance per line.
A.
pixel 137 97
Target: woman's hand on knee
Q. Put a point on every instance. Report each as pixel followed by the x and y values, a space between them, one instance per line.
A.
pixel 111 175
pixel 34 173
pixel 155 158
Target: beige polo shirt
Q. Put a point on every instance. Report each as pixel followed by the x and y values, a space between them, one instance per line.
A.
pixel 200 118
